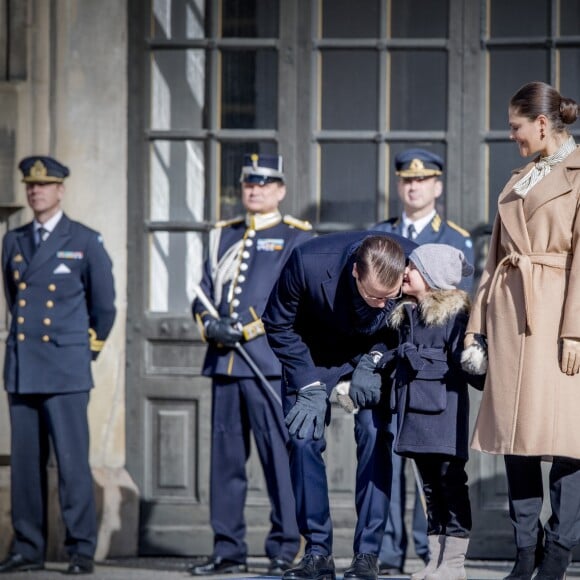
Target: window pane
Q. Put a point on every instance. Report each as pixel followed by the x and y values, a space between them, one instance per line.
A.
pixel 350 89
pixel 503 159
pixel 570 77
pixel 519 18
pixel 231 158
pixel 348 183
pixel 419 18
pixel 177 89
pixel 509 70
pixel 570 18
pixel 250 18
pixel 419 101
pixel 395 207
pixel 178 19
pixel 177 181
pixel 348 19
pixel 176 260
pixel 250 89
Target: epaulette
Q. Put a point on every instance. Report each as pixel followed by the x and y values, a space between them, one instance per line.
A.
pixel 296 223
pixel 231 222
pixel 393 221
pixel 436 222
pixel 454 226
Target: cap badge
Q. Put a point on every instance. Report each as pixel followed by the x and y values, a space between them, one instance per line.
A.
pixel 254 157
pixel 38 170
pixel 417 165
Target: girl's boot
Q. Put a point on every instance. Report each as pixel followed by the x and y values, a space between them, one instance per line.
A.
pixel 452 565
pixel 435 550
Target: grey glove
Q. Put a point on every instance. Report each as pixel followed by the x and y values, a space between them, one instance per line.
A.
pixel 222 331
pixel 308 410
pixel 365 385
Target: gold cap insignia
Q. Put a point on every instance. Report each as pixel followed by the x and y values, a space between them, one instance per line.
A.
pixel 254 157
pixel 38 170
pixel 417 165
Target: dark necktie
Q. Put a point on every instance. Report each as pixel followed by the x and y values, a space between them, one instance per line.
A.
pixel 42 235
pixel 411 232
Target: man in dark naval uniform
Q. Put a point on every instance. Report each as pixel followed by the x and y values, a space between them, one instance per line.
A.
pixel 332 297
pixel 59 287
pixel 419 186
pixel 245 258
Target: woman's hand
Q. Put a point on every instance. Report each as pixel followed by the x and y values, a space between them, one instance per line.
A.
pixel 570 363
pixel 469 339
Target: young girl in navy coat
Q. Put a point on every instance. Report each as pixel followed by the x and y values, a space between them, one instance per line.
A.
pixel 430 394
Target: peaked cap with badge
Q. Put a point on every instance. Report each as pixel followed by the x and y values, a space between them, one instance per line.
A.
pixel 418 163
pixel 262 169
pixel 42 169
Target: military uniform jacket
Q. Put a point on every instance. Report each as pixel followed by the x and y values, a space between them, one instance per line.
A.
pixel 246 256
pixel 62 300
pixel 309 317
pixel 438 231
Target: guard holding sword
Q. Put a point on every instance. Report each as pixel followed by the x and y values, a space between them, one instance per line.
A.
pixel 246 255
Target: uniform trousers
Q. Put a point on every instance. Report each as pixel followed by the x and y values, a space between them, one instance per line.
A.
pixel 446 494
pixel 373 483
pixel 62 418
pixel 241 405
pixel 526 494
pixel 395 541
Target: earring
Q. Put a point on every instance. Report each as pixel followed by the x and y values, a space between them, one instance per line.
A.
pixel 542 134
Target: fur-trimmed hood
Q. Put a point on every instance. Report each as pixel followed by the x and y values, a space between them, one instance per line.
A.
pixel 435 309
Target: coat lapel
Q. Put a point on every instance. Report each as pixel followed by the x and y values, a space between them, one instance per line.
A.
pixel 510 208
pixel 26 243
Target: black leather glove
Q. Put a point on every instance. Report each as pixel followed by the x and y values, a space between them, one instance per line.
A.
pixel 308 410
pixel 222 331
pixel 365 385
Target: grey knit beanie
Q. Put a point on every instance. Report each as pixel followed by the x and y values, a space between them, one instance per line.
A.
pixel 442 266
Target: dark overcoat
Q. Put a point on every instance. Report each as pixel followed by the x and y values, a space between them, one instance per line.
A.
pixel 430 390
pixel 62 300
pixel 309 318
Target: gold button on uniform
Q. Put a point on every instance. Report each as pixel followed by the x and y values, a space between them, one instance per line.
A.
pixel 20 320
pixel 21 336
pixel 46 322
pixel 52 287
pixel 49 304
pixel 22 286
pixel 16 275
pixel 22 303
pixel 45 338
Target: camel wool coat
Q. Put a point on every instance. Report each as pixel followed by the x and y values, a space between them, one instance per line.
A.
pixel 528 299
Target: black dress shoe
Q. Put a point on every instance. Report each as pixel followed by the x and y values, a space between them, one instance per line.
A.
pixel 278 566
pixel 80 564
pixel 363 567
pixel 218 565
pixel 388 570
pixel 312 568
pixel 18 563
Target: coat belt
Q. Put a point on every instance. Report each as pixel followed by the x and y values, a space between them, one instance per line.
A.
pixel 523 262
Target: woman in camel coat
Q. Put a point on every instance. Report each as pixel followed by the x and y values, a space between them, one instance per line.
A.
pixel 528 307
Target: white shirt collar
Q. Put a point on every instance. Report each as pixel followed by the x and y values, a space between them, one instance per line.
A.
pixel 49 224
pixel 420 224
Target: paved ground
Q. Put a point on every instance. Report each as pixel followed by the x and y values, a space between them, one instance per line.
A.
pixel 176 568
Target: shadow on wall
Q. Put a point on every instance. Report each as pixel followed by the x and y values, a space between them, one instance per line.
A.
pixel 117 502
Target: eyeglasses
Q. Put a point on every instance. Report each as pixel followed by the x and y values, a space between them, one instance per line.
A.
pixel 367 296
